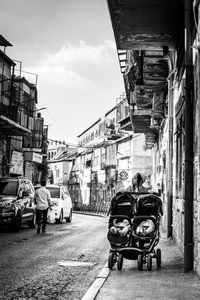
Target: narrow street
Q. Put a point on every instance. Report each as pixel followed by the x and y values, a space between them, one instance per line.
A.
pixel 100 119
pixel 60 264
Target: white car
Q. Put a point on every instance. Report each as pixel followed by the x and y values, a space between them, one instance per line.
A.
pixel 61 204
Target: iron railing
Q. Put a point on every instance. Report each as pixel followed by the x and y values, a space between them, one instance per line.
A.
pixel 93 209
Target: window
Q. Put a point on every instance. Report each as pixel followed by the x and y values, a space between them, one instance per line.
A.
pixel 28 188
pixel 57 173
pixel 8 187
pixel 54 191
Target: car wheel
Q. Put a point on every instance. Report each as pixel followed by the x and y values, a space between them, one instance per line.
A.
pixel 32 223
pixel 58 221
pixel 69 219
pixel 16 224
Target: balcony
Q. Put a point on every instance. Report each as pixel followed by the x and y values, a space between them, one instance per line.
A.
pixel 111 133
pixel 36 140
pixel 146 25
pixel 9 121
pixel 123 115
pixel 152 28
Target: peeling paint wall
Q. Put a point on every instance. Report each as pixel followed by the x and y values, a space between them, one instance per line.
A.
pixel 196 61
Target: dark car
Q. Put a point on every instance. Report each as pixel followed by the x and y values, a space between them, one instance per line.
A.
pixel 17 202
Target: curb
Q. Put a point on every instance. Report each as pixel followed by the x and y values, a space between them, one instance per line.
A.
pixel 89 214
pixel 97 284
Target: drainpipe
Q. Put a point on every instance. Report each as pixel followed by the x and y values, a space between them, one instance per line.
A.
pixel 2 80
pixel 8 155
pixel 170 155
pixel 8 138
pixel 189 155
pixel 91 179
pixel 131 106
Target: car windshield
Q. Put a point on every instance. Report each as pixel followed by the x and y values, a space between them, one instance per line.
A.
pixel 8 188
pixel 54 191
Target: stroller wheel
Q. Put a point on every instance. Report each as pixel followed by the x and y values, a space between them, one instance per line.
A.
pixel 158 257
pixel 111 261
pixel 119 262
pixel 140 262
pixel 149 262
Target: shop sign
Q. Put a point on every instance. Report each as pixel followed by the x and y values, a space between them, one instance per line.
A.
pixel 33 156
pixel 123 175
pixel 17 163
pixel 37 157
pixel 28 170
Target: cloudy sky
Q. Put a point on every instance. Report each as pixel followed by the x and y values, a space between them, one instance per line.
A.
pixel 70 45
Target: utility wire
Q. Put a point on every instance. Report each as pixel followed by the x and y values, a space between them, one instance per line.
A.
pixel 89 146
pixel 64 129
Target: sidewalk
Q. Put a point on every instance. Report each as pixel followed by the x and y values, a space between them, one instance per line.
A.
pixel 169 282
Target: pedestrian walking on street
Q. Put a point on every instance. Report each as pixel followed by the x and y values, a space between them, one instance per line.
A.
pixel 42 200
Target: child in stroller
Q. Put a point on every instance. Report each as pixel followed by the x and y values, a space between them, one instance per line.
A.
pixel 133 229
pixel 119 229
pixel 146 234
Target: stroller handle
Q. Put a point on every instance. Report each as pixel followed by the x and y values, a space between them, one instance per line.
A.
pixel 120 217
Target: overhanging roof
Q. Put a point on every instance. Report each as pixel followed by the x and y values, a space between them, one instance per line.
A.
pixel 7 58
pixel 146 24
pixel 4 42
pixel 10 128
pixel 147 30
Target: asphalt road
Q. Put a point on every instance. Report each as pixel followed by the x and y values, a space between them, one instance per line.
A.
pixel 59 264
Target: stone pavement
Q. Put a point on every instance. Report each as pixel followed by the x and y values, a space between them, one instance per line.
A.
pixel 169 282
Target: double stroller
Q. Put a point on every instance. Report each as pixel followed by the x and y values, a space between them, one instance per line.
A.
pixel 133 230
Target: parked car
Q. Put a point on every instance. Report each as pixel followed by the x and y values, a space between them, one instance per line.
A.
pixel 61 204
pixel 17 202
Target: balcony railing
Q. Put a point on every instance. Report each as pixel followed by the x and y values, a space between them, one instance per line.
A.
pixel 10 112
pixel 122 111
pixel 12 94
pixel 33 141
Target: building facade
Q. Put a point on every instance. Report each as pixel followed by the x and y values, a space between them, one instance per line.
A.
pixel 159 59
pixel 109 156
pixel 23 136
pixel 60 162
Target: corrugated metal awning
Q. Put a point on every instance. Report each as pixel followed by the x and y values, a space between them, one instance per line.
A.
pixel 11 128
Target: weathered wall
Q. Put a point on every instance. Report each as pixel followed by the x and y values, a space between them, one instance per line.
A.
pixel 196 61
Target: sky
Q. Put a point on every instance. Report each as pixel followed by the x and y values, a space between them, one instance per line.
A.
pixel 69 47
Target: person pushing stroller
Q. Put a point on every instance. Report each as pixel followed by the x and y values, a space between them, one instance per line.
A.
pixel 139 185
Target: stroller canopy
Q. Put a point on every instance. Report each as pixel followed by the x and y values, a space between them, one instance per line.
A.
pixel 149 204
pixel 123 203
